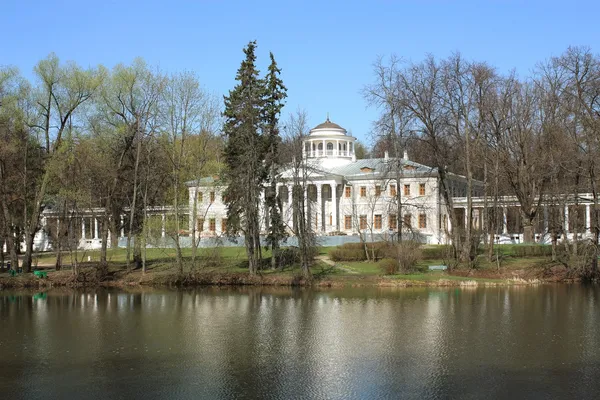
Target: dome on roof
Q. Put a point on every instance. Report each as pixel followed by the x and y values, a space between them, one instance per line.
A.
pixel 328 126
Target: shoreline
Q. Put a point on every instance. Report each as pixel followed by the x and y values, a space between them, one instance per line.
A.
pixel 86 279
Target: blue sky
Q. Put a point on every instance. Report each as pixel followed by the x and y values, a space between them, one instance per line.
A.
pixel 325 48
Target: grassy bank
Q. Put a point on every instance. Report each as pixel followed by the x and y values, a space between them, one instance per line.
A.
pixel 227 266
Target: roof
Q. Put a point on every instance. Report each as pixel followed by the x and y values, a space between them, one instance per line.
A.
pixel 328 125
pixel 207 181
pixel 359 169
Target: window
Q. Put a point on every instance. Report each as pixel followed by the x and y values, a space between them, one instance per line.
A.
pixel 199 196
pixel 348 191
pixel 212 197
pixel 377 191
pixel 212 224
pixel 320 146
pixel 393 221
pixel 407 220
pixel 422 221
pixel 407 190
pixel 363 222
pixel 393 192
pixel 421 189
pixel 363 191
pixel 223 224
pixel 200 225
pixel 378 221
pixel 347 221
pixel 329 146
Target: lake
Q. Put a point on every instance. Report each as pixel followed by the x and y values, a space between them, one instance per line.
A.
pixel 280 343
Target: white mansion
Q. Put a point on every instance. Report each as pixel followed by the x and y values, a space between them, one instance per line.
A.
pixel 346 196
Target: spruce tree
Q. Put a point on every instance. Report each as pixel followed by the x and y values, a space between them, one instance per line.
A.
pixel 244 154
pixel 274 96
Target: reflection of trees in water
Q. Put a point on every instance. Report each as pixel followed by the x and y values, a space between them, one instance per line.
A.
pixel 216 342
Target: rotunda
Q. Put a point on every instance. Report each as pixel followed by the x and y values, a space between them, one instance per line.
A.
pixel 330 144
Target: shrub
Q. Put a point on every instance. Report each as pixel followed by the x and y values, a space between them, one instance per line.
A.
pixel 289 256
pixel 347 254
pixel 388 266
pixel 409 254
pixel 439 252
pixel 524 250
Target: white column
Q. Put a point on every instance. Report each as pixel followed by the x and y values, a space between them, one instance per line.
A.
pixel 566 227
pixel 334 219
pixel 96 228
pixel 122 227
pixel 588 219
pixel 545 218
pixel 337 147
pixel 504 220
pixel 163 229
pixel 324 148
pixel 307 208
pixel 319 219
pixel 83 228
pixel 290 206
pixel 262 212
pixel 466 218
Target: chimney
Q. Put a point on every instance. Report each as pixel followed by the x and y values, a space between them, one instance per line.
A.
pixel 405 155
pixel 386 155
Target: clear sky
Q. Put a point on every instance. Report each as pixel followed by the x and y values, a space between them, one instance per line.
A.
pixel 325 48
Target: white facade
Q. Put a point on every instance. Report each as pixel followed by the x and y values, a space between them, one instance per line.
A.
pixel 347 196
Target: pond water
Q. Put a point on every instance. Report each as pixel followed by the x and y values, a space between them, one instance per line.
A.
pixel 523 342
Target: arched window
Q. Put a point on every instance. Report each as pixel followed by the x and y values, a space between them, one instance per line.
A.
pixel 344 146
pixel 329 146
pixel 320 146
pixel 313 147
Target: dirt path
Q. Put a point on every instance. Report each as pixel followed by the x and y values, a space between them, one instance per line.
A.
pixel 329 261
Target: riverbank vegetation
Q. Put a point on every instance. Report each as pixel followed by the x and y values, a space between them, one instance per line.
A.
pixel 229 266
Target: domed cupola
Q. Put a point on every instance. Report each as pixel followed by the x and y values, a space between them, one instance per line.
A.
pixel 327 128
pixel 330 143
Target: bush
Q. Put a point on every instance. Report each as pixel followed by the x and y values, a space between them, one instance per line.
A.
pixel 388 266
pixel 356 251
pixel 524 250
pixel 347 254
pixel 409 254
pixel 289 256
pixel 439 252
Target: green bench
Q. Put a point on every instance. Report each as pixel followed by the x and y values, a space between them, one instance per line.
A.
pixel 40 274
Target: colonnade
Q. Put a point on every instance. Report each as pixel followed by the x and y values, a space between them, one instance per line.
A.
pixel 316 199
pixel 478 217
pixel 318 148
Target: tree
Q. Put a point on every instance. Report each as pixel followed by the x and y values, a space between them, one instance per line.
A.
pixel 244 156
pixel 296 130
pixel 61 91
pixel 274 101
pixel 130 107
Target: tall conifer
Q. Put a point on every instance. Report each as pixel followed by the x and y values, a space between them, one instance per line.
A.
pixel 275 94
pixel 244 154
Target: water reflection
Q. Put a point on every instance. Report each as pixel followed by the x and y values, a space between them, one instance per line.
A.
pixel 280 343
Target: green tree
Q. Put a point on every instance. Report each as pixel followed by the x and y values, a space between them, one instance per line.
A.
pixel 244 155
pixel 275 94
